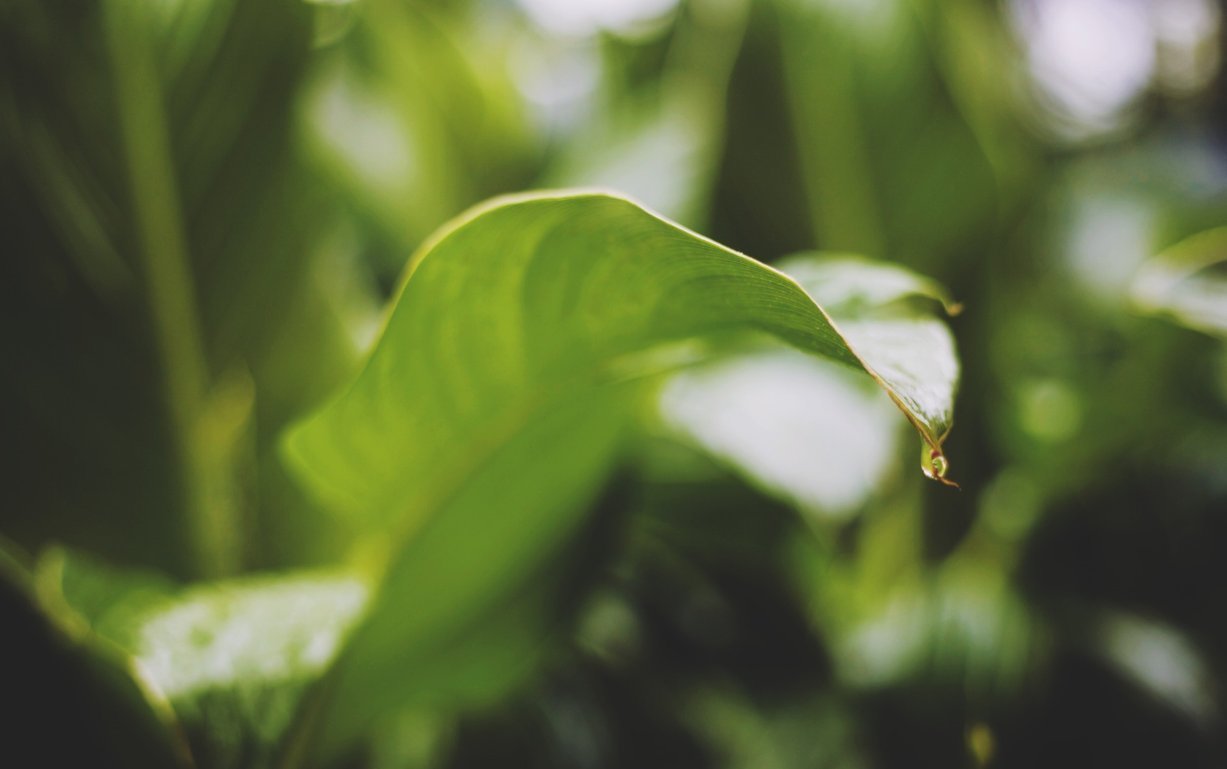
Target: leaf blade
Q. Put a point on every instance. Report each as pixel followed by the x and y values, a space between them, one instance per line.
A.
pixel 491 409
pixel 696 287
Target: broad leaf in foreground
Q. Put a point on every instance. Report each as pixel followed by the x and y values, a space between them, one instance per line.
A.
pixel 492 406
pixel 909 352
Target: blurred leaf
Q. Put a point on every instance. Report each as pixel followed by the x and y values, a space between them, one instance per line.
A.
pixel 110 600
pixel 233 658
pixel 968 38
pixel 891 167
pixel 414 114
pixel 754 412
pixel 168 233
pixel 68 694
pixel 965 626
pixel 660 142
pixel 492 407
pixel 1188 283
pixel 662 155
pixel 814 734
pixel 1159 659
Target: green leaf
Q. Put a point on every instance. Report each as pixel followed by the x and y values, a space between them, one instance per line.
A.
pixel 67 693
pixel 150 177
pixel 910 353
pixel 235 658
pixel 232 658
pixel 466 604
pixel 1188 283
pixel 754 411
pixel 492 407
pixel 530 298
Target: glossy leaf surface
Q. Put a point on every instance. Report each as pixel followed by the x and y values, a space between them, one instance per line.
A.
pixel 491 409
pixel 530 298
pixel 755 411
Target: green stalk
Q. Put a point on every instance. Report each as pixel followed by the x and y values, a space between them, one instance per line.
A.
pixel 163 258
pixel 844 207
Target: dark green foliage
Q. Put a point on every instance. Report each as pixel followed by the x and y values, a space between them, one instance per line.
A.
pixel 323 454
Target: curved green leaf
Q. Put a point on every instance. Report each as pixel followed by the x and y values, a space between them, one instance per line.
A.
pixel 532 297
pixel 492 408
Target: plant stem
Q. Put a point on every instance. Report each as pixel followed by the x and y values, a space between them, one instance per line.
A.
pixel 163 258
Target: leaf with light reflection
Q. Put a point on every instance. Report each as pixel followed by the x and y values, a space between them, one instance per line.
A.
pixel 492 408
pixel 755 411
pixel 524 302
pixel 232 658
pixel 67 693
pixel 1188 283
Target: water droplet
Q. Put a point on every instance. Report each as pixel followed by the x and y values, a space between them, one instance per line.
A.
pixel 938 462
pixel 935 465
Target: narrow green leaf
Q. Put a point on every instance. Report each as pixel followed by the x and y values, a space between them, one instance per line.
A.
pixel 492 407
pixel 1188 282
pixel 891 166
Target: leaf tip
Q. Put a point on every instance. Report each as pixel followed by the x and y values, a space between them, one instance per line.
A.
pixel 935 466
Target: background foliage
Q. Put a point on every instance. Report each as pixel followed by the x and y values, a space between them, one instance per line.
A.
pixel 208 208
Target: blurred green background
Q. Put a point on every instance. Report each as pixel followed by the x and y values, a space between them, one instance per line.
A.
pixel 206 203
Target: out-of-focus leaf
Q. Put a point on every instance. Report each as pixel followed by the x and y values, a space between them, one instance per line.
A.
pixel 785 737
pixel 166 231
pixel 1159 659
pixel 492 406
pixel 110 600
pixel 68 694
pixel 754 412
pixel 663 156
pixel 233 658
pixel 415 115
pixel 1188 283
pixel 660 144
pixel 965 626
pixel 891 167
